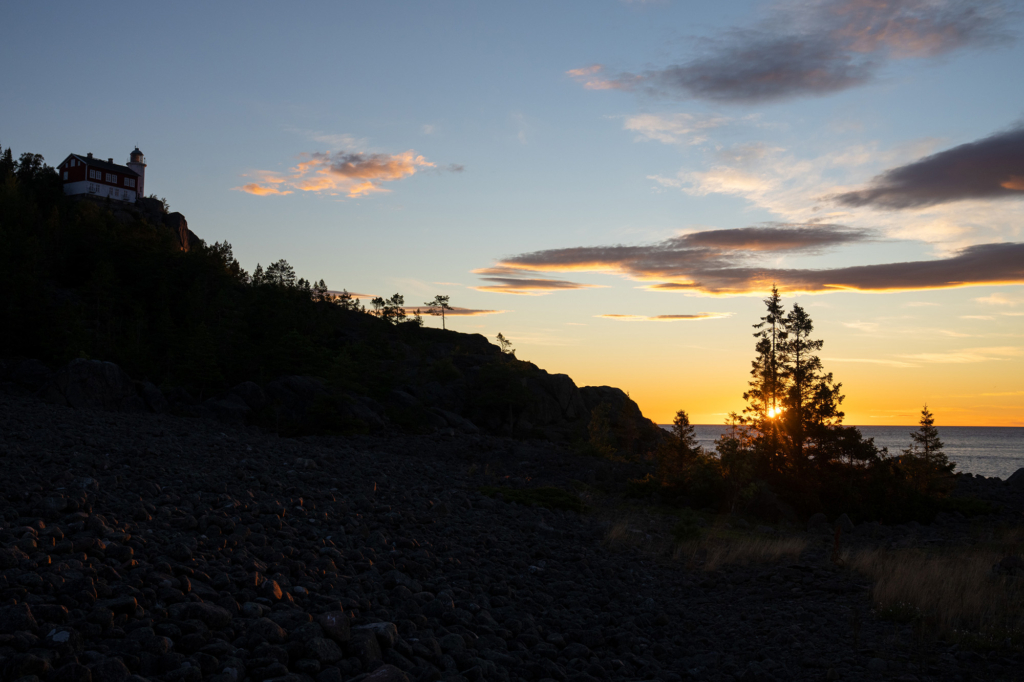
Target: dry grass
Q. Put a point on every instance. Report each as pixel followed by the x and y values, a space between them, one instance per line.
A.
pixel 954 592
pixel 708 549
pixel 714 551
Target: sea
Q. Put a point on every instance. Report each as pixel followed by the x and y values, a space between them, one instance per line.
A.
pixel 984 450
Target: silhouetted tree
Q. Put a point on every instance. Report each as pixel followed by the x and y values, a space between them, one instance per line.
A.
pixel 679 449
pixel 6 163
pixel 346 301
pixel 505 345
pixel 438 306
pixel 803 372
pixel 389 309
pixel 765 397
pixel 281 274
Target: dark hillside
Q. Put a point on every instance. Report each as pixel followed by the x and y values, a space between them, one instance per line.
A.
pixel 83 280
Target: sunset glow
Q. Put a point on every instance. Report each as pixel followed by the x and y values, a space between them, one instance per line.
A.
pixel 574 175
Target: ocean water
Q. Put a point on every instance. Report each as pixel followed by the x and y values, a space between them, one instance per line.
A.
pixel 985 450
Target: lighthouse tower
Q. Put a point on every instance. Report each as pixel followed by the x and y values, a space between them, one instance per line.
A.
pixel 137 162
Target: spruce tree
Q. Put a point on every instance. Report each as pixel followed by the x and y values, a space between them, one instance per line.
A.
pixel 925 442
pixel 765 396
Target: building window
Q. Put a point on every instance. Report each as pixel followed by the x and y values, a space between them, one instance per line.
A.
pixel 65 175
pixel 129 182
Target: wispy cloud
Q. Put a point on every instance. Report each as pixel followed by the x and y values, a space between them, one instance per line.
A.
pixel 991 168
pixel 813 47
pixel 521 281
pixel 998 298
pixel 674 128
pixel 694 317
pixel 966 355
pixel 862 326
pixel 874 361
pixel 353 174
pixel 454 311
pixel 731 262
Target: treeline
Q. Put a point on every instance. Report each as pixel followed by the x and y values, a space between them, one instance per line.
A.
pixel 790 451
pixel 90 279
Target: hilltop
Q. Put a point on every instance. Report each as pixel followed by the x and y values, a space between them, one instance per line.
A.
pixel 87 282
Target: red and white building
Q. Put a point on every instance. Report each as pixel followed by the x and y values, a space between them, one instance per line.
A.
pixel 104 179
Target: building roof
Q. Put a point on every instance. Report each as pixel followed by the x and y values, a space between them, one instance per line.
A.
pixel 100 163
pixel 136 151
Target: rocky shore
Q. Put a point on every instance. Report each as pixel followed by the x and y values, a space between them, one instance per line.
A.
pixel 148 546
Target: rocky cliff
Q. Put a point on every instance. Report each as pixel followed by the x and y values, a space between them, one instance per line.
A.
pixel 477 390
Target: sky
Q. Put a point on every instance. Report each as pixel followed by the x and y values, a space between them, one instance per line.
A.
pixel 614 186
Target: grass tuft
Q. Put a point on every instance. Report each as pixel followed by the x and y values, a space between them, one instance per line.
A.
pixel 955 591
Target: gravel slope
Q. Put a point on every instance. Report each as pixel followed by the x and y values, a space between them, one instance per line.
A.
pixel 178 549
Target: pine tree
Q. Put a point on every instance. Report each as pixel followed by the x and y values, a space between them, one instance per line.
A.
pixel 925 442
pixel 767 387
pixel 438 306
pixel 685 435
pixel 803 372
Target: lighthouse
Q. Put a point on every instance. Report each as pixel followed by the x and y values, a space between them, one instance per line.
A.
pixel 137 162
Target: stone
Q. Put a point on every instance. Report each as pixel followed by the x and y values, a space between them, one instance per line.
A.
pixel 818 523
pixel 10 557
pixel 16 617
pixel 323 650
pixel 71 672
pixel 844 524
pixel 93 385
pixel 386 633
pixel 267 629
pixel 335 625
pixel 211 615
pixel 877 665
pixel 330 674
pixel 110 670
pixel 363 645
pixel 386 673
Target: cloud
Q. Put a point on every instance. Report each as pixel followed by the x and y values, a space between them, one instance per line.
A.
pixel 673 128
pixel 592 79
pixel 352 294
pixel 862 326
pixel 261 190
pixel 966 355
pixel 997 298
pixel 729 262
pixel 874 361
pixel 354 174
pixel 814 47
pixel 454 311
pixel 991 168
pixel 667 318
pixel 507 280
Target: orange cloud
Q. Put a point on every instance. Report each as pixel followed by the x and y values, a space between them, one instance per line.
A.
pixel 260 190
pixel 1015 182
pixel 668 318
pixel 354 174
pixel 454 311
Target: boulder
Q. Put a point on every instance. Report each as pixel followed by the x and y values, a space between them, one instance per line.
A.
pixel 844 524
pixel 94 385
pixel 16 617
pixel 1016 479
pixel 818 524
